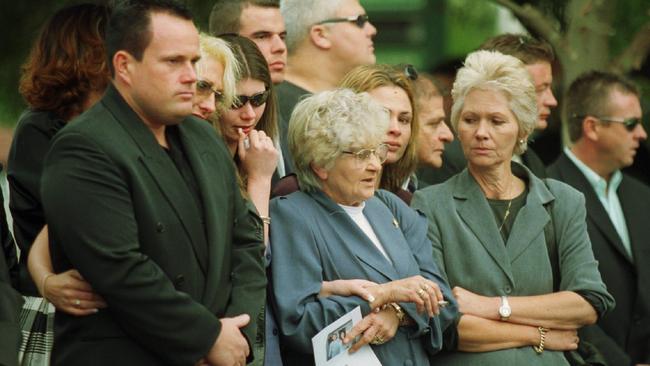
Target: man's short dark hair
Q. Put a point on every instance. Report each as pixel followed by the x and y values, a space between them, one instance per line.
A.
pixel 589 94
pixel 129 25
pixel 225 14
pixel 528 49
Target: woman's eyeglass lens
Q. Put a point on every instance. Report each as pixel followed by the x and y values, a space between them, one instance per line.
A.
pixel 363 156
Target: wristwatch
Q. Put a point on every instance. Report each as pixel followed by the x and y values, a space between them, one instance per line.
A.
pixel 504 309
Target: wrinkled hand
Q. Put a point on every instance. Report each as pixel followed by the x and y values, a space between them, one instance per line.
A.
pixel 347 288
pixel 561 340
pixel 69 292
pixel 382 324
pixel 477 305
pixel 424 293
pixel 231 348
pixel 260 158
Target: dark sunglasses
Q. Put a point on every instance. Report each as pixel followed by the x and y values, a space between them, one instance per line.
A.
pixel 629 123
pixel 410 72
pixel 255 100
pixel 204 88
pixel 359 20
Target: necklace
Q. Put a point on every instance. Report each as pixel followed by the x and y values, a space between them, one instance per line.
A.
pixel 505 216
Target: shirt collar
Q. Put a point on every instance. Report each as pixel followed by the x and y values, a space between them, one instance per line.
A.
pixel 599 183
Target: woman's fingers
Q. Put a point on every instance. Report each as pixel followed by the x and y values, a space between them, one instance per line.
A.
pixel 366 337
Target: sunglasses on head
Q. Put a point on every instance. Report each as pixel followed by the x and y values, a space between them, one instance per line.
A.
pixel 255 100
pixel 358 20
pixel 204 88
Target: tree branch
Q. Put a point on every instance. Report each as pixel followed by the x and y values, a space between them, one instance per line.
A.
pixel 535 20
pixel 633 56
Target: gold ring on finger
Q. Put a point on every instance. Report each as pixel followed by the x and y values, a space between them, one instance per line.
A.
pixel 421 293
pixel 77 303
pixel 378 340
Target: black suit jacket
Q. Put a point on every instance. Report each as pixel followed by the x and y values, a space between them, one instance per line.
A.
pixel 622 335
pixel 120 213
pixel 10 300
pixel 34 132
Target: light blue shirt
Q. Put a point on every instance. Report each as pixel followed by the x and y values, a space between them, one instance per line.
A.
pixel 608 197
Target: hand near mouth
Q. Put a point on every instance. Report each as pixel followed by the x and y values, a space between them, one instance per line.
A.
pixel 257 154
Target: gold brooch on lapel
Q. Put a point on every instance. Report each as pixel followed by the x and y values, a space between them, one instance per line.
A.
pixel 395 223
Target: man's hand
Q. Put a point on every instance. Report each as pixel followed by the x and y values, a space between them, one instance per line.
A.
pixel 230 348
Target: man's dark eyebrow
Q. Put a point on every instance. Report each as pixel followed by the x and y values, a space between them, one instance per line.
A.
pixel 262 33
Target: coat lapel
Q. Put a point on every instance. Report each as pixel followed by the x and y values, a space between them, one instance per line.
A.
pixel 388 230
pixel 595 210
pixel 636 221
pixel 532 218
pixel 361 245
pixel 473 209
pixel 162 171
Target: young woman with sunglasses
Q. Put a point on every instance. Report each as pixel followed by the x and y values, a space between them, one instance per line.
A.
pixel 249 125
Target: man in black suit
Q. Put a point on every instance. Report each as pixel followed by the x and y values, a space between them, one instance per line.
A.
pixel 142 200
pixel 603 115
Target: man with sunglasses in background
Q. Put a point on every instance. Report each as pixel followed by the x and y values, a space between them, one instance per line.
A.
pixel 325 39
pixel 603 115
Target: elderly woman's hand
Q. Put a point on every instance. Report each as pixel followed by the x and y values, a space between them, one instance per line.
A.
pixel 424 293
pixel 560 340
pixel 348 288
pixel 258 155
pixel 377 328
pixel 69 292
pixel 477 305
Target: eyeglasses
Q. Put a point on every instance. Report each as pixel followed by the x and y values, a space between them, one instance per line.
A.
pixel 363 156
pixel 629 123
pixel 359 20
pixel 204 88
pixel 255 100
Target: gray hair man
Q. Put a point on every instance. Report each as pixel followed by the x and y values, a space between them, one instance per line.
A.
pixel 325 39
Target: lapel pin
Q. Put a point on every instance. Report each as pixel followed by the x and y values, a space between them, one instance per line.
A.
pixel 395 223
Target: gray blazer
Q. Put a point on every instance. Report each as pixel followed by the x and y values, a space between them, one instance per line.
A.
pixel 314 240
pixel 471 253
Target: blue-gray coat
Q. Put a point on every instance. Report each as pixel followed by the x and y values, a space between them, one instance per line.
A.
pixel 314 240
pixel 471 253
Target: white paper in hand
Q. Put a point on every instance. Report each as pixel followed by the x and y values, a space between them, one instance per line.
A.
pixel 329 349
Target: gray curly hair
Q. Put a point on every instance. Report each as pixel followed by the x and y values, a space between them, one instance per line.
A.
pixel 324 125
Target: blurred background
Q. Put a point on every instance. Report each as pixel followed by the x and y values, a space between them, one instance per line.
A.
pixel 433 35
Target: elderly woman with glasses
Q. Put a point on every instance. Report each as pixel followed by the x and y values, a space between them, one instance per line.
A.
pixel 340 227
pixel 515 248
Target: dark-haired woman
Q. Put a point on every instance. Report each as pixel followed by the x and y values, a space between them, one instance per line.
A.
pixel 65 74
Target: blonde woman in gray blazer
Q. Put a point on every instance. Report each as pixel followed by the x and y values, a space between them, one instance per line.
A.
pixel 487 225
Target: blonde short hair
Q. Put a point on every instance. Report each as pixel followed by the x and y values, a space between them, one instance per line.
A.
pixel 492 70
pixel 325 124
pixel 219 50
